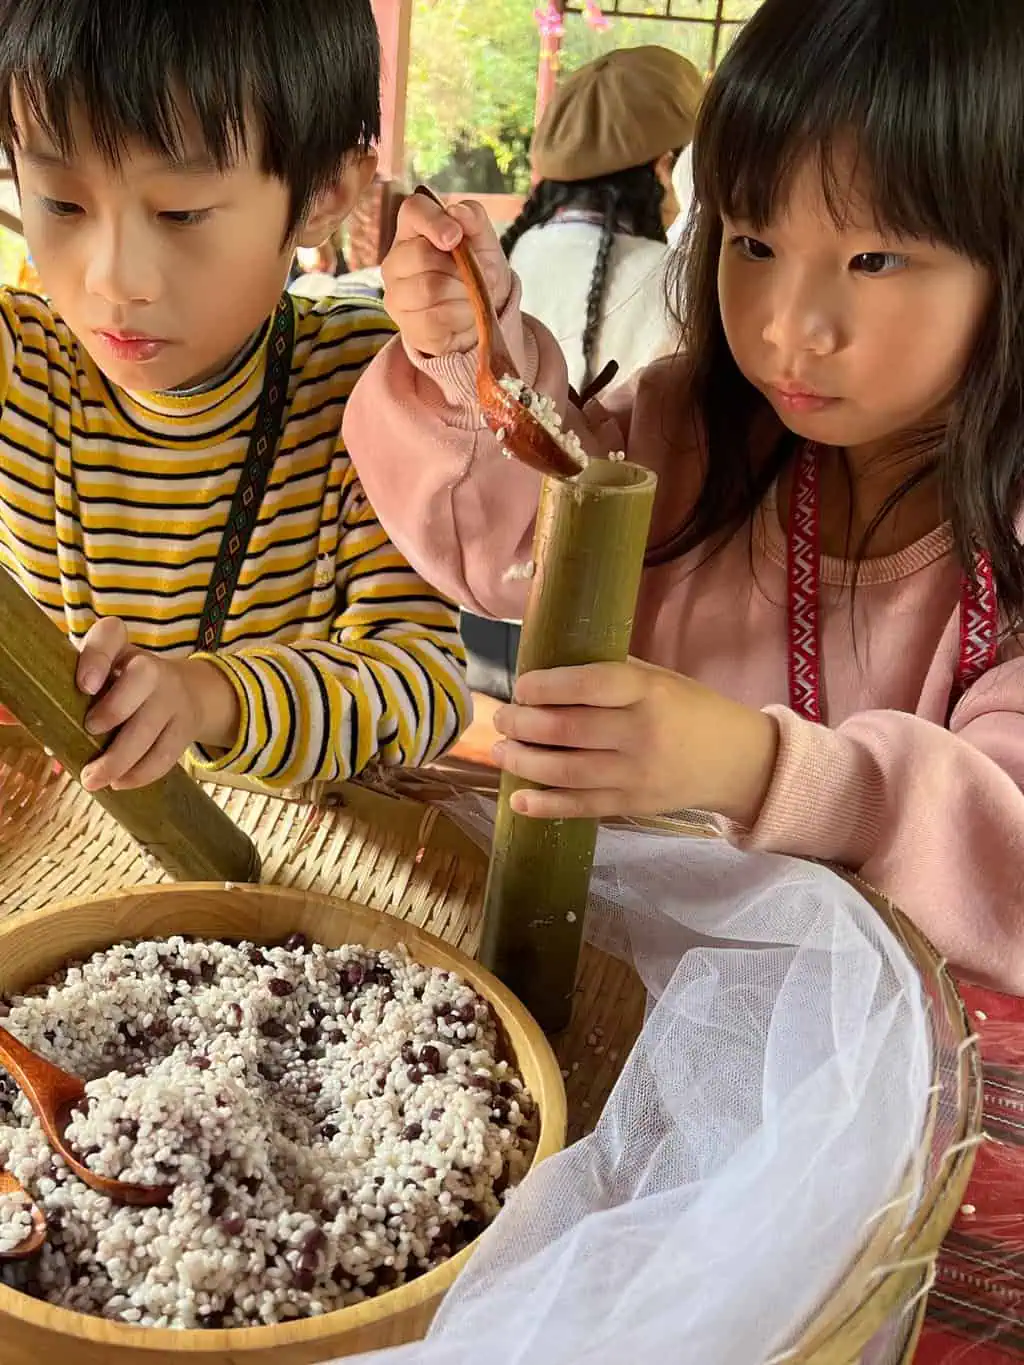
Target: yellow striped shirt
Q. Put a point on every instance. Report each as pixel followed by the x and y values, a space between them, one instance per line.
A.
pixel 113 504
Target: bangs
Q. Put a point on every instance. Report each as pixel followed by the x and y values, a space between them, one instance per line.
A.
pixel 884 82
pixel 126 71
pixel 923 101
pixel 294 82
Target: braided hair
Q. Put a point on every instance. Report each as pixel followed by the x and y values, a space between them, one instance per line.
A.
pixel 628 201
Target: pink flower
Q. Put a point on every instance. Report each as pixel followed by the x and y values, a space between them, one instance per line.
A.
pixel 595 16
pixel 549 20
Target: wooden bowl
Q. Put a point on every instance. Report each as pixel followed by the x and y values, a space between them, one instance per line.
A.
pixel 32 946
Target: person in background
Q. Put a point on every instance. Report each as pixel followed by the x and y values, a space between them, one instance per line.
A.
pixel 682 188
pixel 589 246
pixel 326 261
pixel 321 282
pixel 665 170
pixel 590 249
pixel 175 491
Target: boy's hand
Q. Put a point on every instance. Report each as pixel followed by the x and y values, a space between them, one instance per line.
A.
pixel 423 291
pixel 632 739
pixel 158 706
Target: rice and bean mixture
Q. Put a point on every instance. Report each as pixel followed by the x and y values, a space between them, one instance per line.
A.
pixel 546 412
pixel 15 1220
pixel 335 1122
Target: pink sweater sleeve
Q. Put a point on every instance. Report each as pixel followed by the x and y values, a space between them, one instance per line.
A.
pixel 458 511
pixel 932 818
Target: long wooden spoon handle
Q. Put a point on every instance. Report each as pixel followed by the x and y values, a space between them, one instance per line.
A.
pixel 493 355
pixel 520 431
pixel 35 1239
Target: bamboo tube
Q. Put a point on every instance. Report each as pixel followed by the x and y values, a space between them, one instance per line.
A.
pixel 173 819
pixel 588 555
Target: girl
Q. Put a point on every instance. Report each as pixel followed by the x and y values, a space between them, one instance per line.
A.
pixel 589 246
pixel 830 621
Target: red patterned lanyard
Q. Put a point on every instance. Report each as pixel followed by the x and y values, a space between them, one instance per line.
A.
pixel 979 625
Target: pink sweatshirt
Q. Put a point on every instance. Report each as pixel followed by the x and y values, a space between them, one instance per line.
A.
pixel 933 817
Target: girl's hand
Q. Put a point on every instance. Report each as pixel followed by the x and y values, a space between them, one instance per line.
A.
pixel 158 706
pixel 632 739
pixel 423 291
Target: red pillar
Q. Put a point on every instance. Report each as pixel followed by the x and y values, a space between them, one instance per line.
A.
pixel 547 70
pixel 394 20
pixel 371 225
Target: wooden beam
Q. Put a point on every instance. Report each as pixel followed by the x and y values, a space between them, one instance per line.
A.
pixel 708 20
pixel 547 70
pixel 394 21
pixel 717 22
pixel 619 10
pixel 12 224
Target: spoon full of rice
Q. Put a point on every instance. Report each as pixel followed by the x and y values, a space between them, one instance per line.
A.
pixel 526 424
pixel 54 1095
pixel 26 1222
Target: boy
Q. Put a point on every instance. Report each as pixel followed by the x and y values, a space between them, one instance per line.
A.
pixel 171 156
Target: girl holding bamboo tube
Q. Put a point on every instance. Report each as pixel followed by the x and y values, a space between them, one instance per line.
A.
pixel 828 634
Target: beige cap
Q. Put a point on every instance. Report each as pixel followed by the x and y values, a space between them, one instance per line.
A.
pixel 626 109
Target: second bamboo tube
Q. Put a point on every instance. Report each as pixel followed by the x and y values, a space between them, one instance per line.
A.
pixel 588 556
pixel 174 820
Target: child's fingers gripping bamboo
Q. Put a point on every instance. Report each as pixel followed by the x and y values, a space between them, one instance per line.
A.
pixel 422 289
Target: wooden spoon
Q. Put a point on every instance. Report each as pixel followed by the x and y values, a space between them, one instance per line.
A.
pixel 53 1094
pixel 516 427
pixel 36 1238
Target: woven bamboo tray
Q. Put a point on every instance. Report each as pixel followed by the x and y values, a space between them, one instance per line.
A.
pixel 36 943
pixel 388 852
pixel 401 856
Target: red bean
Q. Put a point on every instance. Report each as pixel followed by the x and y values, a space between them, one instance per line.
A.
pixel 430 1059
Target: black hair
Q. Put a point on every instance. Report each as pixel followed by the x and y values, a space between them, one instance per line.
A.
pixel 629 201
pixel 302 76
pixel 932 94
